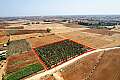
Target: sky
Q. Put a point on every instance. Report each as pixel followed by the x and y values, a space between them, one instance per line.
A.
pixel 10 8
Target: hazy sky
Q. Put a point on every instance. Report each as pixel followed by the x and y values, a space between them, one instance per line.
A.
pixel 58 7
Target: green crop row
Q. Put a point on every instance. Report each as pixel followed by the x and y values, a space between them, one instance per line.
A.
pixel 23 72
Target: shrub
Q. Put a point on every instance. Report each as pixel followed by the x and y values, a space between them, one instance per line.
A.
pixel 48 30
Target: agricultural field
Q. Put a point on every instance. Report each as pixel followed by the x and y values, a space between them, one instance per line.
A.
pixel 81 68
pixel 101 31
pixel 17 47
pixel 25 63
pixel 59 52
pixel 20 32
pixel 109 65
pixel 41 41
pixel 93 66
pixel 92 39
pixel 21 73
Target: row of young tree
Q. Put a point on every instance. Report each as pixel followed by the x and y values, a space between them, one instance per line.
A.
pixel 98 24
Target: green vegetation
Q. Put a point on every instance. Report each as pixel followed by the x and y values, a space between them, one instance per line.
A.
pixel 2 58
pixel 17 47
pixel 11 32
pixel 54 53
pixel 48 30
pixel 23 72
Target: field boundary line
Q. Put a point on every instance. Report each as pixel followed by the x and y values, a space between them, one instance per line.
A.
pixel 40 60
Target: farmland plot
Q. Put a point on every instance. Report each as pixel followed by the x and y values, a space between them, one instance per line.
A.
pixel 19 61
pixel 101 31
pixel 18 46
pixel 81 68
pixel 57 53
pixel 21 73
pixel 21 65
pixel 20 32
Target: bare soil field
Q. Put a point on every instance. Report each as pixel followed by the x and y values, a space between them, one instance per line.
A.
pixel 109 67
pixel 40 41
pixel 92 67
pixel 25 36
pixel 101 31
pixel 17 62
pixel 92 39
pixel 20 32
pixel 86 39
pixel 80 69
pixel 55 27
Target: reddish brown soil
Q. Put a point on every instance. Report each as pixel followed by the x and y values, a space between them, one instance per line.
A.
pixel 81 68
pixel 109 67
pixel 41 41
pixel 3 39
pixel 100 31
pixel 48 78
pixel 17 62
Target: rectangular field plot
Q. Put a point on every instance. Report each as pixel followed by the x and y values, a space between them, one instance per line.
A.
pixel 18 47
pixel 57 53
pixel 22 65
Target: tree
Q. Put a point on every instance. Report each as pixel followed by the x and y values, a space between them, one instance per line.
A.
pixel 48 30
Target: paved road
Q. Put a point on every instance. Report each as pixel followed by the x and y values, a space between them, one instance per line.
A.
pixel 37 76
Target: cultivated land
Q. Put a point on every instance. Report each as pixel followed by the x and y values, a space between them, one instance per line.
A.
pixel 95 67
pixel 26 39
pixel 60 52
pixel 25 63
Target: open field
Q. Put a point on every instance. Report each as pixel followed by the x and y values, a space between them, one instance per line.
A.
pixel 20 32
pixel 109 66
pixel 92 39
pixel 26 71
pixel 80 68
pixel 17 62
pixel 25 63
pixel 53 49
pixel 101 31
pixel 93 66
pixel 54 54
pixel 41 41
pixel 17 47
